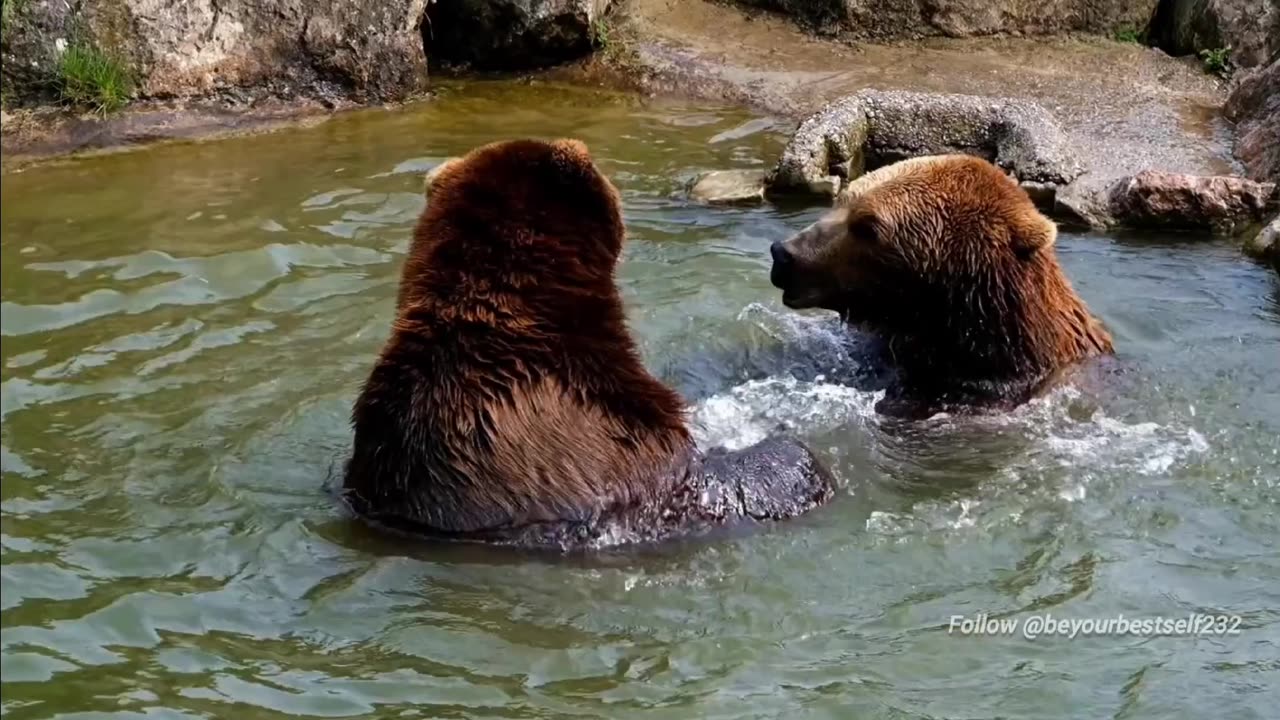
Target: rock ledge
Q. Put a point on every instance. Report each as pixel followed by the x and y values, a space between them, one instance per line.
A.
pixel 874 128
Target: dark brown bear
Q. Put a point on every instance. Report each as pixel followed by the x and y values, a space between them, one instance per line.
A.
pixel 510 404
pixel 948 261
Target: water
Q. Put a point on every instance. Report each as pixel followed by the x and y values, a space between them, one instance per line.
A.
pixel 184 329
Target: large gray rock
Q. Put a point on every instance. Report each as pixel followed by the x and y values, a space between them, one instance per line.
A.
pixel 874 128
pixel 886 19
pixel 1222 204
pixel 369 50
pixel 1251 28
pixel 1254 105
pixel 512 34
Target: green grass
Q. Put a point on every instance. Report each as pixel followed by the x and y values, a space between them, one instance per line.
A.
pixel 9 10
pixel 612 44
pixel 91 79
pixel 600 34
pixel 1218 61
pixel 1129 35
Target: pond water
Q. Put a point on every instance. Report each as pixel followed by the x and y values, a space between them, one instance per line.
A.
pixel 185 327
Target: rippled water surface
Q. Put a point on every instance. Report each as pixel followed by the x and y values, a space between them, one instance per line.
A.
pixel 184 329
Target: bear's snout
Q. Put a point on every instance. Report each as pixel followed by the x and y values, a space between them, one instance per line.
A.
pixel 783 262
pixel 793 276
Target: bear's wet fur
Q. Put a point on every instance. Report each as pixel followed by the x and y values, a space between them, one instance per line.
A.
pixel 510 404
pixel 949 262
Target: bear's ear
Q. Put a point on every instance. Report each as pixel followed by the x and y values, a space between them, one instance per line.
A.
pixel 436 173
pixel 1032 235
pixel 574 149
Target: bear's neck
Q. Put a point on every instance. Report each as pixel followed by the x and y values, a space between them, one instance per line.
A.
pixel 999 338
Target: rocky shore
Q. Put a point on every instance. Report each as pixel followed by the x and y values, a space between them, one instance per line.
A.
pixel 1120 134
pixel 1102 129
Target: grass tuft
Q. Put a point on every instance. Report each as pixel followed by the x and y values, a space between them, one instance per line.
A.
pixel 91 79
pixel 600 34
pixel 1129 35
pixel 9 11
pixel 1218 61
pixel 612 44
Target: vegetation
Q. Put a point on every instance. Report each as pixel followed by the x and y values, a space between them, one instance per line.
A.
pixel 9 9
pixel 1218 61
pixel 92 79
pixel 1130 35
pixel 600 34
pixel 612 44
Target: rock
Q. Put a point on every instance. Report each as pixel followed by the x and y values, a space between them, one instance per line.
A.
pixel 1044 195
pixel 369 50
pixel 729 187
pixel 1080 206
pixel 1265 245
pixel 1251 28
pixel 29 47
pixel 512 34
pixel 894 19
pixel 873 128
pixel 829 146
pixel 1222 204
pixel 1254 105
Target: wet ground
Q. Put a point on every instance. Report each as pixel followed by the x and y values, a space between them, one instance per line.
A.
pixel 1125 107
pixel 185 327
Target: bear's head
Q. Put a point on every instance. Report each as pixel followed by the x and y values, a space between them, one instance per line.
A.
pixel 948 259
pixel 522 212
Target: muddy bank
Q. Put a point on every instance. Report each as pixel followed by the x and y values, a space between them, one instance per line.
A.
pixel 207 68
pixel 1123 108
pixel 1247 32
pixel 906 19
pixel 34 134
pixel 1122 112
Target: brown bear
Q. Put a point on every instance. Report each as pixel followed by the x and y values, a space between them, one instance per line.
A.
pixel 510 404
pixel 947 260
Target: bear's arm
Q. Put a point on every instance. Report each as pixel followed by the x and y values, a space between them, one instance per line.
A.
pixel 410 464
pixel 574 461
pixel 535 455
pixel 777 478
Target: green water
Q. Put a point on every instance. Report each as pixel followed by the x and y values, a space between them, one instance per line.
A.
pixel 184 329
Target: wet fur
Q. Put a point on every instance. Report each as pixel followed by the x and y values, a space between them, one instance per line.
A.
pixel 949 262
pixel 510 403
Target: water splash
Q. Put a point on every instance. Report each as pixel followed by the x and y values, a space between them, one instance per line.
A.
pixel 816 384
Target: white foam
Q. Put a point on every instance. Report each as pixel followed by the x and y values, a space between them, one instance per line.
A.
pixel 1145 448
pixel 1066 430
pixel 749 412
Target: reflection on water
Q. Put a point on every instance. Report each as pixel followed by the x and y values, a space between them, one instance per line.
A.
pixel 184 329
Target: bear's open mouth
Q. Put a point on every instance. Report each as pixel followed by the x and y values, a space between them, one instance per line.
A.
pixel 792 298
pixel 798 301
